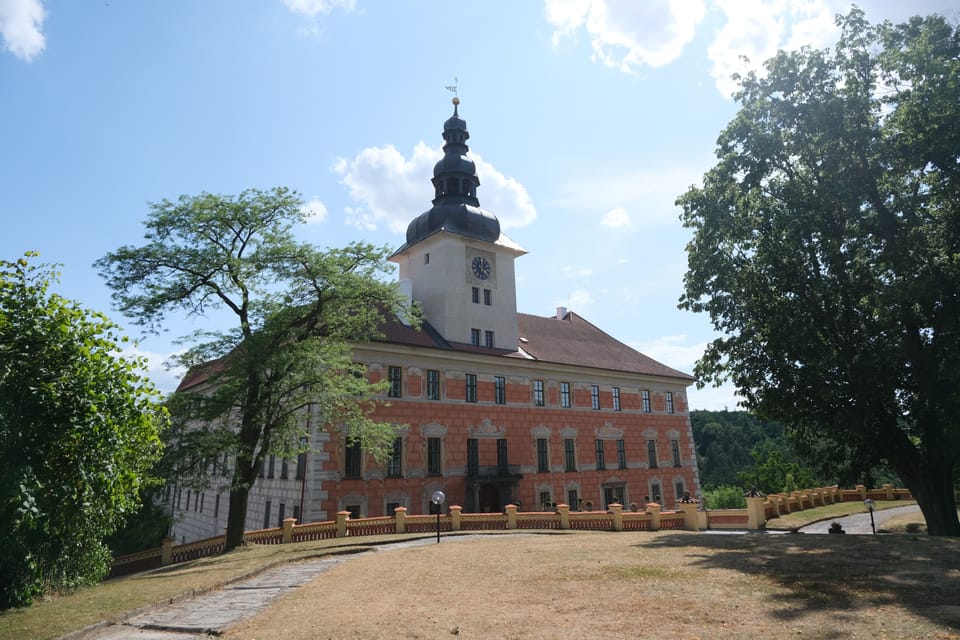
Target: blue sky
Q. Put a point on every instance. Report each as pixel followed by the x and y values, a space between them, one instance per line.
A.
pixel 587 119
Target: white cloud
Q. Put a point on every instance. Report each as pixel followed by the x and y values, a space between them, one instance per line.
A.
pixel 578 300
pixel 21 24
pixel 616 218
pixel 672 351
pixel 627 34
pixel 312 8
pixel 391 189
pixel 756 29
pixel 315 210
pixel 159 367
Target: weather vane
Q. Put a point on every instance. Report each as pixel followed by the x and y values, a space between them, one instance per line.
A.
pixel 453 87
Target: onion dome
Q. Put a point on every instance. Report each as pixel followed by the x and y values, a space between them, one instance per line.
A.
pixel 455 182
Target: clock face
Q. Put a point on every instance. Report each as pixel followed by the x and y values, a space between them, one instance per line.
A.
pixel 481 268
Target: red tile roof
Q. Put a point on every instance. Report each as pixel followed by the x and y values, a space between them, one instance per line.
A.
pixel 569 341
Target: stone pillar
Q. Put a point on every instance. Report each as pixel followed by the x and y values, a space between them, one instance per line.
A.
pixel 288 530
pixel 756 515
pixel 511 510
pixel 400 516
pixel 564 511
pixel 691 517
pixel 166 551
pixel 617 511
pixel 863 492
pixel 342 523
pixel 654 510
pixel 888 489
pixel 455 512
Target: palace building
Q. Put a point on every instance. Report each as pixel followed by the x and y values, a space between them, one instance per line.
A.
pixel 492 406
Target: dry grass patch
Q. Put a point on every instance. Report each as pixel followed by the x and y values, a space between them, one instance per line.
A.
pixel 622 585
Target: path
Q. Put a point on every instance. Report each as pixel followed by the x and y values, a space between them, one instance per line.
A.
pixel 859 522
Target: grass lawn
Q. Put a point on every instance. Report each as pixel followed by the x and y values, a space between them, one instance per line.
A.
pixel 799 519
pixel 569 585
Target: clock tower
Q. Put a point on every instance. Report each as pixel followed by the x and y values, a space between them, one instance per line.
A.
pixel 458 264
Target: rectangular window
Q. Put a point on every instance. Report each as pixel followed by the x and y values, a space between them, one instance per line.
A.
pixel 272 466
pixel 395 377
pixel 675 452
pixel 612 495
pixel 394 464
pixel 595 397
pixel 352 453
pixel 543 460
pixel 573 500
pixel 678 485
pixel 433 456
pixel 282 514
pixel 433 384
pixel 216 507
pixel 655 492
pixel 188 501
pixel 652 454
pixel 601 462
pixel 502 460
pixel 565 394
pixel 475 337
pixel 616 398
pixel 488 339
pixel 500 389
pixel 645 398
pixel 621 454
pixel 569 454
pixel 392 509
pixel 266 516
pixel 538 393
pixel 487 297
pixel 545 502
pixel 202 496
pixel 475 295
pixel 473 457
pixel 285 469
pixel 296 513
pixel 470 383
pixel 301 466
pixel 224 469
pixel 669 396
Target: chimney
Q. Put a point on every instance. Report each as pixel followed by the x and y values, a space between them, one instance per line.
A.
pixel 561 312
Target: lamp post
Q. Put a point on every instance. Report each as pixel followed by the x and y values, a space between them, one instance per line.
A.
pixel 869 504
pixel 437 499
pixel 302 470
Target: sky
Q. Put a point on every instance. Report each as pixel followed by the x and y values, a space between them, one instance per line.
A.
pixel 587 119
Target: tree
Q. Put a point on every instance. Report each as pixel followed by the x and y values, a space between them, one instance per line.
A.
pixel 826 249
pixel 79 431
pixel 295 311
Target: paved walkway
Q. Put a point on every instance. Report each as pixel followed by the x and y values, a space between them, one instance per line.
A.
pixel 859 522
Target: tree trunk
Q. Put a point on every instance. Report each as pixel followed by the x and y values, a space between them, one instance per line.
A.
pixel 237 516
pixel 244 475
pixel 934 491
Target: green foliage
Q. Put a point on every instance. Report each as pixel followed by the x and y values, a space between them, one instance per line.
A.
pixel 771 473
pixel 826 250
pixel 724 497
pixel 142 530
pixel 287 355
pixel 78 434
